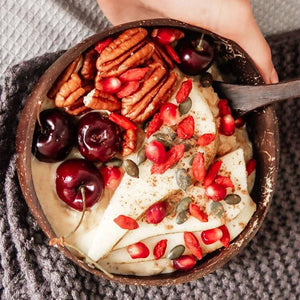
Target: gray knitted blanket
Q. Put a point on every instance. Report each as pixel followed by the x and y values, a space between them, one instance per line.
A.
pixel 268 268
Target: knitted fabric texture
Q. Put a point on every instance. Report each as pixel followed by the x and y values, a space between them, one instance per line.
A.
pixel 268 268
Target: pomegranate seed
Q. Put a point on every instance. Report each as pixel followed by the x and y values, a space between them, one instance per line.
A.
pixel 126 222
pixel 250 166
pixel 225 181
pixel 210 236
pixel 155 152
pixel 239 122
pixel 227 125
pixel 110 85
pixel 156 212
pixel 138 250
pixel 212 173
pixel 186 128
pixel 206 139
pixel 197 213
pixel 224 108
pixel 192 244
pixel 160 249
pixel 169 113
pixel 166 36
pixel 111 176
pixel 215 192
pixel 225 239
pixel 100 46
pixel 184 91
pixel 198 168
pixel 154 125
pixel 121 121
pixel 184 262
pixel 128 89
pixel 135 74
pixel 172 53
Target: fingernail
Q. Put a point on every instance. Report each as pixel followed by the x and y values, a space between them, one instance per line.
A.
pixel 274 76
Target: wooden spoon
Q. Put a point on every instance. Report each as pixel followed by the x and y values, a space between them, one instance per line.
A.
pixel 246 98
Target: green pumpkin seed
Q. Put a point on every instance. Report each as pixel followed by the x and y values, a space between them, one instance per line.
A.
pixel 188 144
pixel 114 162
pixel 176 252
pixel 217 209
pixel 183 179
pixel 206 79
pixel 233 199
pixel 183 204
pixel 165 139
pixel 182 217
pixel 141 156
pixel 185 106
pixel 131 168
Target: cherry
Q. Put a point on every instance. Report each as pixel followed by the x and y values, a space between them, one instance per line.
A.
pixel 54 140
pixel 73 175
pixel 196 55
pixel 98 137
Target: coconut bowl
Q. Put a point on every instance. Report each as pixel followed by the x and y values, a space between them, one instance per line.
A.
pixel 235 66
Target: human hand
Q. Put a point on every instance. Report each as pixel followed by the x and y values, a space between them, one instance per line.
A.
pixel 232 19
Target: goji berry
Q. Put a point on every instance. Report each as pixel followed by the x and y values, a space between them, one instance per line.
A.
pixel 126 222
pixel 186 128
pixel 225 181
pixel 250 166
pixel 192 244
pixel 154 125
pixel 135 74
pixel 160 249
pixel 212 173
pixel 198 167
pixel 184 90
pixel 206 139
pixel 197 213
pixel 100 46
pixel 128 89
pixel 122 121
pixel 172 53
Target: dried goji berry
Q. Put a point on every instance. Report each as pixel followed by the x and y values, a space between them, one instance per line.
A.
pixel 212 173
pixel 122 121
pixel 186 128
pixel 135 74
pixel 128 89
pixel 206 139
pixel 198 167
pixel 250 166
pixel 100 46
pixel 192 244
pixel 160 249
pixel 126 222
pixel 197 213
pixel 184 90
pixel 172 53
pixel 154 125
pixel 225 181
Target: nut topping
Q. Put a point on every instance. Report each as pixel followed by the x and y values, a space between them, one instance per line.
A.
pixel 129 142
pixel 89 70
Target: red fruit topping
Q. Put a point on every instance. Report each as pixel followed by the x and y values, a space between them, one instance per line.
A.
pixel 126 222
pixel 169 113
pixel 186 128
pixel 184 262
pixel 155 152
pixel 156 212
pixel 138 250
pixel 160 249
pixel 184 91
pixel 212 173
pixel 172 53
pixel 215 192
pixel 110 85
pixel 225 181
pixel 224 108
pixel 206 139
pixel 250 166
pixel 210 236
pixel 198 167
pixel 227 125
pixel 192 244
pixel 239 122
pixel 128 89
pixel 225 239
pixel 135 74
pixel 173 156
pixel 111 176
pixel 100 46
pixel 166 36
pixel 154 125
pixel 197 213
pixel 121 121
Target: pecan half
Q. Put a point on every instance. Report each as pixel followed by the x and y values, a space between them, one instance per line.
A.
pixel 101 100
pixel 77 108
pixel 129 142
pixel 65 76
pixel 89 70
pixel 161 57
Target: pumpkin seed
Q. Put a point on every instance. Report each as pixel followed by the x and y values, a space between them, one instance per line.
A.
pixel 183 179
pixel 131 168
pixel 185 106
pixel 164 138
pixel 206 79
pixel 191 160
pixel 114 162
pixel 182 217
pixel 183 204
pixel 233 199
pixel 141 156
pixel 176 252
pixel 217 209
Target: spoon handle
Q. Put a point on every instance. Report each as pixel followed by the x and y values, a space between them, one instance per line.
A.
pixel 245 98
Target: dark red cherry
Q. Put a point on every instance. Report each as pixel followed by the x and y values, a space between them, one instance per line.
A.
pixel 74 174
pixel 196 55
pixel 54 140
pixel 98 137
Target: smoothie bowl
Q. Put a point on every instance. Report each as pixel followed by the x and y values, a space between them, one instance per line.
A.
pixel 131 163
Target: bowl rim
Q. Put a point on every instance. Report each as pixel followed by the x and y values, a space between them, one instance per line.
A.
pixel 23 148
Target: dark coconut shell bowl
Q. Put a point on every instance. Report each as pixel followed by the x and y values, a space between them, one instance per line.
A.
pixel 235 66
